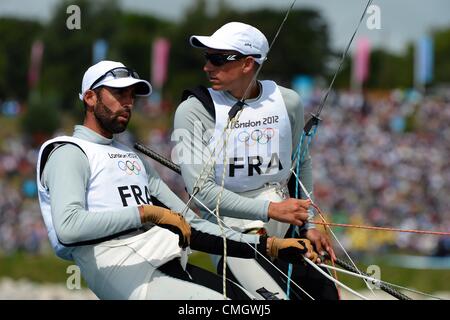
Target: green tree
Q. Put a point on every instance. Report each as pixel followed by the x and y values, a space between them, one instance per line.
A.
pixel 68 52
pixel 302 46
pixel 15 47
pixel 389 70
pixel 386 70
pixel 442 56
pixel 343 78
pixel 186 63
pixel 40 121
pixel 132 43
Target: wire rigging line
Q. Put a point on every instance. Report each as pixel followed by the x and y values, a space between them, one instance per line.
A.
pixel 169 164
pixel 383 287
pixel 377 282
pixel 344 55
pixel 253 248
pixel 314 122
pixel 326 275
pixel 233 116
pixel 147 151
pixel 332 233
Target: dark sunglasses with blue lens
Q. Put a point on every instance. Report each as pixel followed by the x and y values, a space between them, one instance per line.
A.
pixel 219 59
pixel 119 72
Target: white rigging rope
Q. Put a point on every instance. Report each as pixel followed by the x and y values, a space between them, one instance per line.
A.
pixel 333 234
pixel 256 251
pixel 377 282
pixel 212 160
pixel 337 282
pixel 206 171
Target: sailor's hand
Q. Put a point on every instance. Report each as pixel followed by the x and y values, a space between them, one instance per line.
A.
pixel 321 243
pixel 292 211
pixel 290 250
pixel 167 219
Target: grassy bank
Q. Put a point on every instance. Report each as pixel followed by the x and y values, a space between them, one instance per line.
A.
pixel 422 280
pixel 48 268
pixel 37 268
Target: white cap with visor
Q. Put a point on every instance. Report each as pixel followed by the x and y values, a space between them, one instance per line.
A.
pixel 113 74
pixel 236 36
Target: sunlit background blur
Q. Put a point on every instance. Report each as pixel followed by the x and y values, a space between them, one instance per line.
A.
pixel 380 156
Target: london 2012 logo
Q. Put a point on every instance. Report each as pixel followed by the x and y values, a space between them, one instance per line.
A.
pixel 256 136
pixel 129 167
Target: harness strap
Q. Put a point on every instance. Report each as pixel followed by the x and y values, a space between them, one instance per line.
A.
pixel 202 94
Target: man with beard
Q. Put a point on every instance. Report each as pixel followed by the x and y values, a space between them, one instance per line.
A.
pixel 96 197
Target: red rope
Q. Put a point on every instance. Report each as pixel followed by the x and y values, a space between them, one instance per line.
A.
pixel 437 233
pixel 328 231
pixel 325 223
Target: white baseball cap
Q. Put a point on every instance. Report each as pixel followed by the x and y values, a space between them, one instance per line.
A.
pixel 117 78
pixel 236 36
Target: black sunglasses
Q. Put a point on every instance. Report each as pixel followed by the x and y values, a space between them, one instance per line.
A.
pixel 119 72
pixel 219 59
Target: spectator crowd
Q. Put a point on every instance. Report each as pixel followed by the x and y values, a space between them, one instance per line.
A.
pixel 385 162
pixel 381 161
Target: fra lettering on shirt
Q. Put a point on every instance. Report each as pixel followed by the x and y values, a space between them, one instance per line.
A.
pixel 134 191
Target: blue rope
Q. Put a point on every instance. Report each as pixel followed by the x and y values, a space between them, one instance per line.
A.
pixel 297 172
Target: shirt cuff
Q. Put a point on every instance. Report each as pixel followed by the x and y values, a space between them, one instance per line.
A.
pixel 309 225
pixel 265 211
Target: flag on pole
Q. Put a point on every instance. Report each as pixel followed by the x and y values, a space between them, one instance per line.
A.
pixel 423 61
pixel 304 85
pixel 99 50
pixel 37 51
pixel 160 61
pixel 361 61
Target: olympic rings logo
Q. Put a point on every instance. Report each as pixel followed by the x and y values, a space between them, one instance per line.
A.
pixel 256 136
pixel 129 167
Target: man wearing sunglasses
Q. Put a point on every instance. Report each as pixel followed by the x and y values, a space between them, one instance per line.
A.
pixel 98 200
pixel 255 166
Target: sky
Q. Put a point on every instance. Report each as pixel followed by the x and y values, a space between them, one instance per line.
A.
pixel 402 21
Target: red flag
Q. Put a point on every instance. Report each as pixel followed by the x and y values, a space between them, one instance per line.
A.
pixel 37 51
pixel 160 61
pixel 361 61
